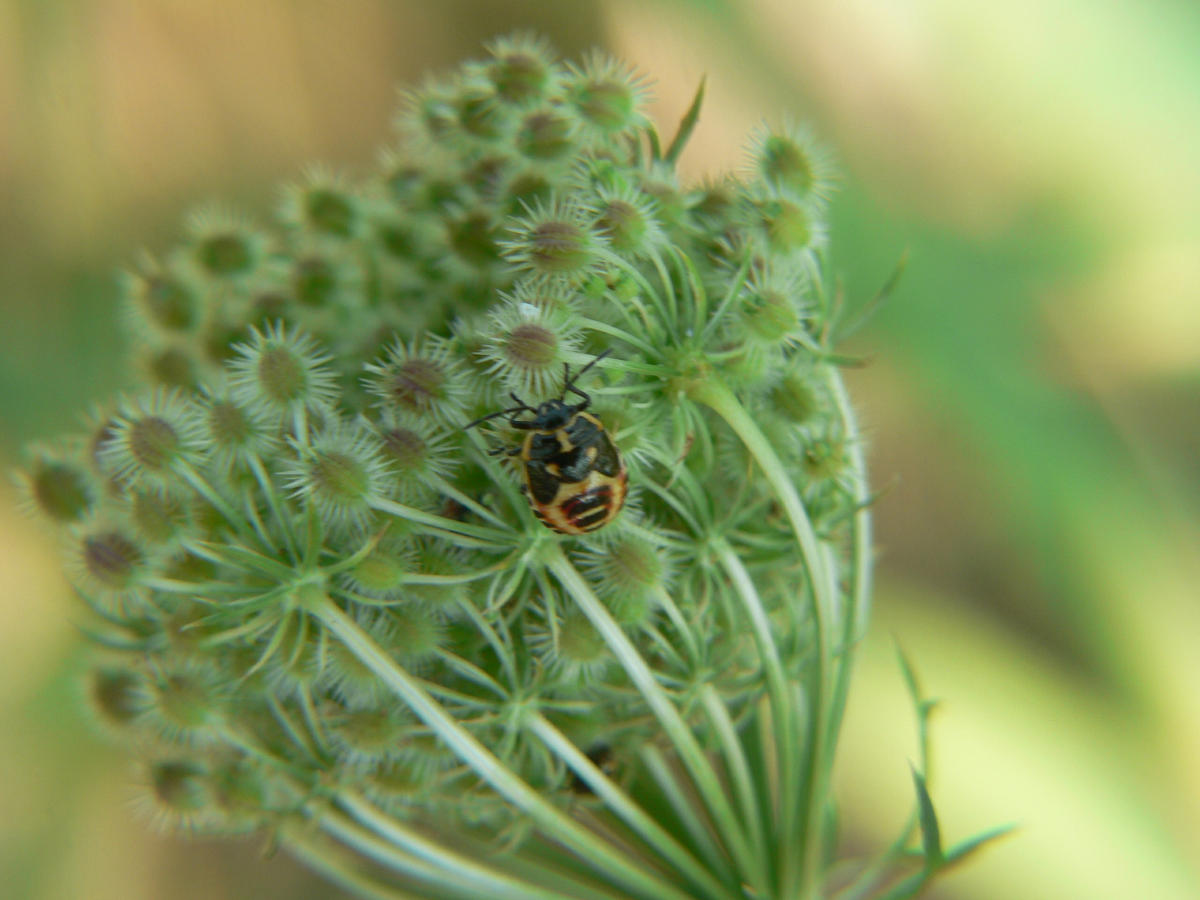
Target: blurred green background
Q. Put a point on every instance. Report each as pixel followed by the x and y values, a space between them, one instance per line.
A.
pixel 1030 403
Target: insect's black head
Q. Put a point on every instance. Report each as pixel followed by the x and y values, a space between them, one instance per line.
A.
pixel 552 415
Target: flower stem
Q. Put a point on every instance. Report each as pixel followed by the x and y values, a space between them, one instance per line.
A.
pixel 813 790
pixel 859 607
pixel 704 777
pixel 335 865
pixel 608 861
pixel 624 807
pixel 402 849
pixel 785 717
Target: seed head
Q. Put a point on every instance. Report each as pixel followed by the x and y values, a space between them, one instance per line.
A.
pixel 417 452
pixel 555 241
pixel 279 371
pixel 106 561
pixel 184 703
pixel 420 378
pixel 159 517
pixel 626 218
pixel 521 68
pixel 223 246
pixel 529 345
pixel 628 572
pixel 791 161
pixel 152 436
pixel 774 308
pixel 341 472
pixel 57 485
pixel 162 297
pixel 233 432
pixel 546 134
pixel 323 206
pixel 796 397
pixel 177 793
pixel 381 573
pixel 783 227
pixel 607 94
pixel 571 649
pixel 116 696
pixel 369 735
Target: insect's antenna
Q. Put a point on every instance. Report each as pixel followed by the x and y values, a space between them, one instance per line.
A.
pixel 502 412
pixel 567 376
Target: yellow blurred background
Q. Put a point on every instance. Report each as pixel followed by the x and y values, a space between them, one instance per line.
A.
pixel 1031 400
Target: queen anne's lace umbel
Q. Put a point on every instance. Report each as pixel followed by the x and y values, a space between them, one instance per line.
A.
pixel 323 611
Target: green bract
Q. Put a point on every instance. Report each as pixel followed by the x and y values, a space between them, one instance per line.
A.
pixel 328 613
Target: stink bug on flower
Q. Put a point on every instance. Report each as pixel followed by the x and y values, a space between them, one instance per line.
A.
pixel 571 471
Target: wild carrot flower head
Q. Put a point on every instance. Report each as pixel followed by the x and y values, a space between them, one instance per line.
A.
pixel 328 608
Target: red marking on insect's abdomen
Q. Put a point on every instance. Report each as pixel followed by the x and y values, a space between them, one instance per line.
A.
pixel 590 508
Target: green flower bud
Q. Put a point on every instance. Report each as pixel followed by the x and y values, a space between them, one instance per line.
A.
pixel 545 134
pixel 151 438
pixel 606 94
pixel 116 696
pixel 281 371
pixel 420 378
pixel 521 68
pixel 341 473
pixel 177 791
pixel 555 242
pixel 162 297
pixel 223 247
pixel 323 206
pixel 790 161
pixel 57 486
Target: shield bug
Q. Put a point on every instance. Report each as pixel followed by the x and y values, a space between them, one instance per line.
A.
pixel 571 470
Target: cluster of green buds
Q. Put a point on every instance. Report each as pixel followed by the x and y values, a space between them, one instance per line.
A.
pixel 324 609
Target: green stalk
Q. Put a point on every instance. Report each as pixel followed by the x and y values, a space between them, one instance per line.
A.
pixel 737 765
pixel 620 803
pixel 859 607
pixel 717 396
pixel 705 778
pixel 787 738
pixel 338 868
pixel 423 858
pixel 607 860
pixel 485 533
